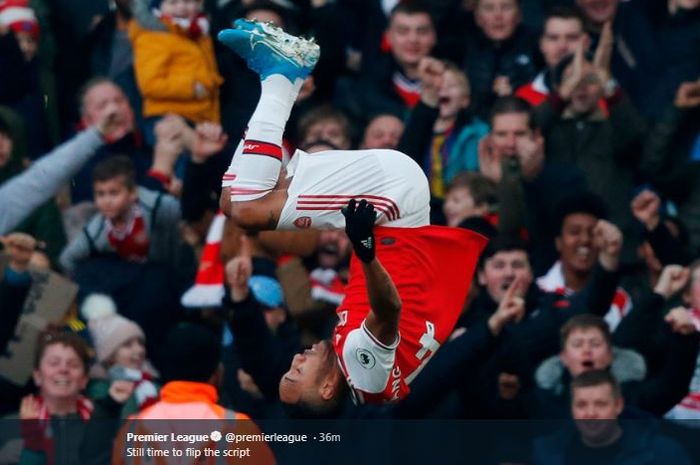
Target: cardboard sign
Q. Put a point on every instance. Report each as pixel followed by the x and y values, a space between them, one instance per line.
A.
pixel 49 298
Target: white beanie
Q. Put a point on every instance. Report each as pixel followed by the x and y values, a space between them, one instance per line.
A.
pixel 108 329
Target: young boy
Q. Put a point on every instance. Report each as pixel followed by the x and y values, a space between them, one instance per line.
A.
pixel 133 223
pixel 468 195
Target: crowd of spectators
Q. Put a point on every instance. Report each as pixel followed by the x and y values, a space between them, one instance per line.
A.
pixel 566 131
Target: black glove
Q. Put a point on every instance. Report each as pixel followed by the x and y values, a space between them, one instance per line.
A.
pixel 359 226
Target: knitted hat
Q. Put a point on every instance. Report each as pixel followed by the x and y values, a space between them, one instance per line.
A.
pixel 208 289
pixel 16 15
pixel 108 329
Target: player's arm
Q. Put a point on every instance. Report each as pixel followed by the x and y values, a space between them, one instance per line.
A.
pixel 385 303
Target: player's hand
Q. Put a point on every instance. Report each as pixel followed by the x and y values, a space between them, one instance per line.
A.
pixel 645 207
pixel 673 278
pixel 511 308
pixel 431 72
pixel 608 240
pixel 359 226
pixel 681 321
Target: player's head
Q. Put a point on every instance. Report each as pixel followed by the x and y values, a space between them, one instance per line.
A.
pixel 585 344
pixel 314 386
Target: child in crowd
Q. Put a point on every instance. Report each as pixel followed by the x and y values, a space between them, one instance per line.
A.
pixel 456 132
pixel 120 346
pixel 174 61
pixel 133 223
pixel 469 195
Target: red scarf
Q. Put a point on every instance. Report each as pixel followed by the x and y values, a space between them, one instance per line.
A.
pixel 37 433
pixel 194 28
pixel 131 242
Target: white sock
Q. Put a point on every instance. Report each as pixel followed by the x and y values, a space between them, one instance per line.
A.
pixel 257 161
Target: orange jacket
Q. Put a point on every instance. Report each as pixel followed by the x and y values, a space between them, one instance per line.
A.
pixel 159 430
pixel 167 65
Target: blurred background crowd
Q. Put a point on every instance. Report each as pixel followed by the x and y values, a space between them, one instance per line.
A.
pixel 567 131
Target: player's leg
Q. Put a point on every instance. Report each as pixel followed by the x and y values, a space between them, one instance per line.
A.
pixel 283 62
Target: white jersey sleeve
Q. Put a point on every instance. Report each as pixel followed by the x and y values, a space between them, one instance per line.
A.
pixel 368 362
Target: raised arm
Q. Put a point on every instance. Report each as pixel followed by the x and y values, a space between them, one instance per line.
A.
pixel 384 300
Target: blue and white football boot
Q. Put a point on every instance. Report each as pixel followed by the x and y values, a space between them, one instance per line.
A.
pixel 269 50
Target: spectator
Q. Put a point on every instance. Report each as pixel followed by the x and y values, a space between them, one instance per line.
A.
pixel 563 31
pixel 44 222
pixel 635 62
pixel 31 104
pixel 689 317
pixel 442 133
pixel 325 124
pixel 133 223
pixel 597 405
pixel 61 374
pixel 121 354
pixel 23 193
pixel 670 158
pixel 382 132
pixel 192 374
pixel 586 345
pixel 500 57
pixel 469 195
pixel 390 83
pixel 174 63
pixel 605 149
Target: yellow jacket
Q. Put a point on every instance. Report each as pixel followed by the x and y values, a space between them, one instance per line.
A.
pixel 167 65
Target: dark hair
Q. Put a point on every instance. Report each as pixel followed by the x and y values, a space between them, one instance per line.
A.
pixel 582 322
pixel 580 202
pixel 4 128
pixel 596 378
pixel 413 7
pixel 327 408
pixel 321 113
pixel 501 244
pixel 190 352
pixel 511 104
pixel 564 12
pixel 482 189
pixel 114 167
pixel 68 339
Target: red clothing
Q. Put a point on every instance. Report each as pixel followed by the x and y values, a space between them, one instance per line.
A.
pixel 432 268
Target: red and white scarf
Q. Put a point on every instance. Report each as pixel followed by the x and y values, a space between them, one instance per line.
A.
pixel 194 28
pixel 554 282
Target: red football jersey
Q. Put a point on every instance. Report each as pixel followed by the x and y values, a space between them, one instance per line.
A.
pixel 432 268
